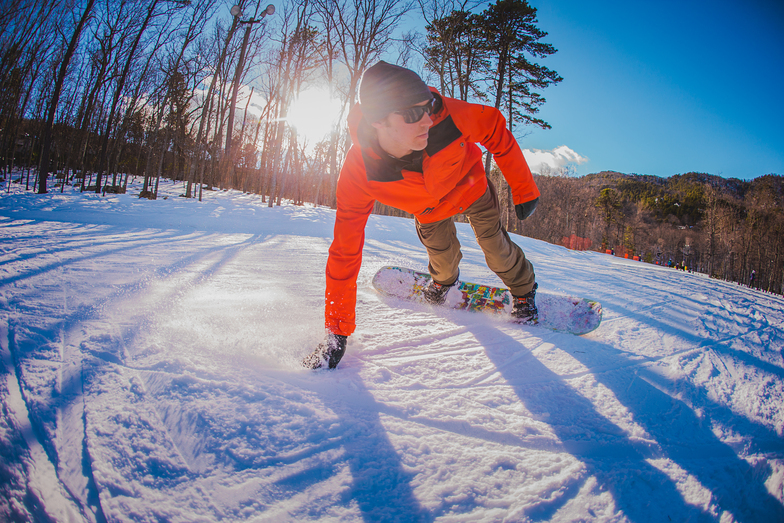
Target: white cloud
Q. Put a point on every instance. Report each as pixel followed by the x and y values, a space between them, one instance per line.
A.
pixel 553 160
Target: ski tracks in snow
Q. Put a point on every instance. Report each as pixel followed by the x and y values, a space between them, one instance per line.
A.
pixel 157 370
pixel 77 368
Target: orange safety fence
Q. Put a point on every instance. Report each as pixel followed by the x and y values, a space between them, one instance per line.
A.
pixel 576 243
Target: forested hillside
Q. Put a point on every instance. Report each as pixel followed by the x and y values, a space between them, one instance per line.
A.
pixel 723 227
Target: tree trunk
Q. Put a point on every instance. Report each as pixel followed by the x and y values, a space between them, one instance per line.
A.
pixel 103 158
pixel 46 144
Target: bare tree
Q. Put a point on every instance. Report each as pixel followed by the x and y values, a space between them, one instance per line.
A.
pixel 209 102
pixel 356 33
pixel 29 39
pixel 296 59
pixel 43 170
pixel 148 15
pixel 363 32
pixel 178 64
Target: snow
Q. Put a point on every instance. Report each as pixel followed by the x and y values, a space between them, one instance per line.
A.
pixel 150 372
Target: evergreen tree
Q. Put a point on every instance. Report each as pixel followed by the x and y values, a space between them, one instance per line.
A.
pixel 514 41
pixel 456 53
pixel 609 203
pixel 511 37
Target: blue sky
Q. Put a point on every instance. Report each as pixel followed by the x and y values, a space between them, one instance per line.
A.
pixel 665 87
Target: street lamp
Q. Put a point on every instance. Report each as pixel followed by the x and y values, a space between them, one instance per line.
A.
pixel 236 11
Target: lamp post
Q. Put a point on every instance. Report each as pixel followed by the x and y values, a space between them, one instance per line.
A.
pixel 236 11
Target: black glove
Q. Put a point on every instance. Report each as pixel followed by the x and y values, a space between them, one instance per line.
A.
pixel 524 210
pixel 329 352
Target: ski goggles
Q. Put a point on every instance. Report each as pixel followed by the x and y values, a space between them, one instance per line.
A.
pixel 417 112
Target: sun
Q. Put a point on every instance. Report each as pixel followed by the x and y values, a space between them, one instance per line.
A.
pixel 314 114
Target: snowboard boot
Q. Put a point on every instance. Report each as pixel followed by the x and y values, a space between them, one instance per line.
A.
pixel 435 293
pixel 524 307
pixel 327 354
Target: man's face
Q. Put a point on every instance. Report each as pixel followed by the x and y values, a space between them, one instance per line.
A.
pixel 399 138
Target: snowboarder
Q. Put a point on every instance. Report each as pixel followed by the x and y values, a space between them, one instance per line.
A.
pixel 415 149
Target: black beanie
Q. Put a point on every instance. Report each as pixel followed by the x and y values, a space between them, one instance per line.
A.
pixel 386 88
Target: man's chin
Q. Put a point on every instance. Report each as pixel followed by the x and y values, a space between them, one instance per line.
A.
pixel 420 145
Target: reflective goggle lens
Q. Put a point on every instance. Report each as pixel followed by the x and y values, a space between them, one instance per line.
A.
pixel 416 113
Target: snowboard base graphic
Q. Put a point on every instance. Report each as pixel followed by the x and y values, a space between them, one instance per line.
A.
pixel 556 312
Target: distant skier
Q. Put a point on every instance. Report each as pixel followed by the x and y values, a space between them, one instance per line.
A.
pixel 415 150
pixel 752 278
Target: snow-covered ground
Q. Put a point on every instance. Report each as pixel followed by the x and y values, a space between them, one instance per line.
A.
pixel 150 372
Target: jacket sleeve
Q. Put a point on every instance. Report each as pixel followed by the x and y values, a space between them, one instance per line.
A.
pixel 354 206
pixel 487 126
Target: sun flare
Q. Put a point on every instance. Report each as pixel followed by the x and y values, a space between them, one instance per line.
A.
pixel 314 114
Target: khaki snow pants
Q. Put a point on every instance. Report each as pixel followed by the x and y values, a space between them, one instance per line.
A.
pixel 503 256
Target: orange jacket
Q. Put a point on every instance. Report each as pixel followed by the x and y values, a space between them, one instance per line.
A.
pixel 441 181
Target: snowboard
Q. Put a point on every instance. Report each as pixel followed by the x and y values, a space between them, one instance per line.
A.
pixel 556 312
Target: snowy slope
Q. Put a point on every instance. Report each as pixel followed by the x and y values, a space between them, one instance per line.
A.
pixel 150 373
